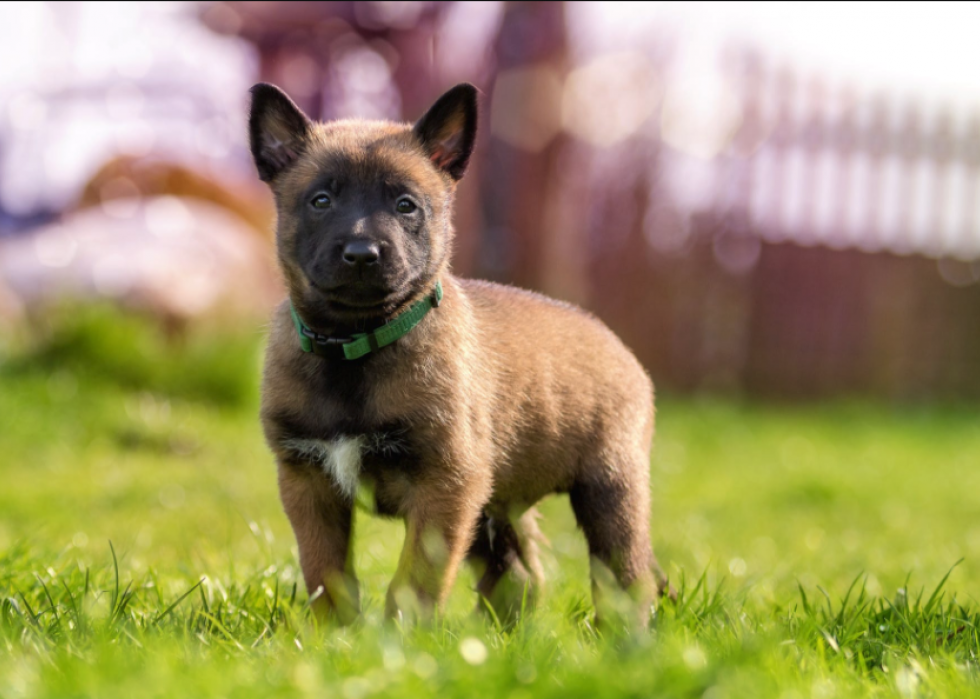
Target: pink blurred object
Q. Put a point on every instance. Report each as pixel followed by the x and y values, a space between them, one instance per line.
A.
pixel 11 308
pixel 177 258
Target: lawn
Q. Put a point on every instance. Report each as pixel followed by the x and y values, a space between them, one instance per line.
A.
pixel 143 551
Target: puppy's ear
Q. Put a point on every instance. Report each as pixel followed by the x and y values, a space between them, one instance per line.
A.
pixel 448 130
pixel 277 130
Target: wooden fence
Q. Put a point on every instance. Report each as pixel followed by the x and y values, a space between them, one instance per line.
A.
pixel 840 254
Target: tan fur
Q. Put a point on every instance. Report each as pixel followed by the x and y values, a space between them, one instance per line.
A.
pixel 498 398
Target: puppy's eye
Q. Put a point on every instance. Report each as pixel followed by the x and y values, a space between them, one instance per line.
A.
pixel 405 206
pixel 321 201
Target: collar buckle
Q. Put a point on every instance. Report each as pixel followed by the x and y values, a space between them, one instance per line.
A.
pixel 324 339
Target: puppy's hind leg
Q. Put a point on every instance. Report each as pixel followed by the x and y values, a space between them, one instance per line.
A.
pixel 613 512
pixel 504 556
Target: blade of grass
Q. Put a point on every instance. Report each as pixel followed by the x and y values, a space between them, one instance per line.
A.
pixel 173 606
pixel 936 593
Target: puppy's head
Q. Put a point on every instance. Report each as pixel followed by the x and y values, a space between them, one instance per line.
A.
pixel 364 207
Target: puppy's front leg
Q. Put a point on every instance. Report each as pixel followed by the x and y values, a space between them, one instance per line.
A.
pixel 322 519
pixel 439 529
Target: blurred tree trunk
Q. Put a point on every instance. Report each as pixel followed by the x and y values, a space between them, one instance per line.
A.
pixel 525 144
pixel 298 42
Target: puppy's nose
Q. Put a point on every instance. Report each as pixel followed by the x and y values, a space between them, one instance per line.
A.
pixel 361 253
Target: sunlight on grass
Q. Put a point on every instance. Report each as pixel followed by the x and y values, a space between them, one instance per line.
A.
pixel 810 547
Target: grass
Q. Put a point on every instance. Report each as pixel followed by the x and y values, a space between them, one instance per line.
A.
pixel 819 551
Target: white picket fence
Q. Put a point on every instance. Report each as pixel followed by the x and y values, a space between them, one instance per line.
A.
pixel 875 173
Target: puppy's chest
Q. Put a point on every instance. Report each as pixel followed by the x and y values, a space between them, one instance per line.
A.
pixel 383 463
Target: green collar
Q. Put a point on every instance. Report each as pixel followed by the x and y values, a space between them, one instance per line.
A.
pixel 360 344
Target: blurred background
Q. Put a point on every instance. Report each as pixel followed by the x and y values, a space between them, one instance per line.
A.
pixel 763 200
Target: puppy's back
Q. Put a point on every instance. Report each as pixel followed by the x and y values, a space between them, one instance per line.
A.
pixel 534 331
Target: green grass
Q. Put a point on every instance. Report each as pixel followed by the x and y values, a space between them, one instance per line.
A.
pixel 143 551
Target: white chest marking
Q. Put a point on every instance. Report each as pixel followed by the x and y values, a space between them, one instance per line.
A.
pixel 340 458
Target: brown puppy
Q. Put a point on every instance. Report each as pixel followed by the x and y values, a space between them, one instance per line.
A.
pixel 472 403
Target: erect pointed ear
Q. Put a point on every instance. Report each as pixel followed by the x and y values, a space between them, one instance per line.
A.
pixel 448 130
pixel 277 130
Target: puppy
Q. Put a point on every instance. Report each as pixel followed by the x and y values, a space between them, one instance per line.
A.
pixel 458 404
